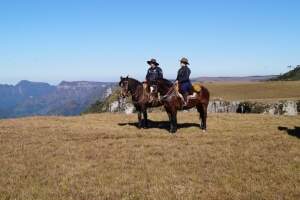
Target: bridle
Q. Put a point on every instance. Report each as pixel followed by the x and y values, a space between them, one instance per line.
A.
pixel 124 90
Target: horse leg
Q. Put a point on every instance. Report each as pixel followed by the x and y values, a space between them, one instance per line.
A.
pixel 145 114
pixel 140 123
pixel 201 115
pixel 170 121
pixel 204 116
pixel 173 121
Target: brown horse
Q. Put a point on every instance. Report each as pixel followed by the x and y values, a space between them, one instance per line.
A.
pixel 172 102
pixel 141 97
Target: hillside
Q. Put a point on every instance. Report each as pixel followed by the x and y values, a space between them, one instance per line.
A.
pixel 104 156
pixel 292 75
pixel 68 98
pixel 105 104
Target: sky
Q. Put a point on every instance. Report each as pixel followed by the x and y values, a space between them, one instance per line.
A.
pixel 100 40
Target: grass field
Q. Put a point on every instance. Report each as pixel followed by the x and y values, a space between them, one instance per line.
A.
pixel 104 156
pixel 261 91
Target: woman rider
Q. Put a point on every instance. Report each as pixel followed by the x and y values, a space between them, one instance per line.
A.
pixel 154 73
pixel 183 79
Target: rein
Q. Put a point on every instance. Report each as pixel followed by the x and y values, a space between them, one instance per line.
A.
pixel 172 91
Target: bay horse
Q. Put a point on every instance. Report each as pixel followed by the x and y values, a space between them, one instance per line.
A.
pixel 173 102
pixel 141 98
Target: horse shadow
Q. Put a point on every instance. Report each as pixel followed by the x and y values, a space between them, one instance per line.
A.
pixel 295 132
pixel 165 125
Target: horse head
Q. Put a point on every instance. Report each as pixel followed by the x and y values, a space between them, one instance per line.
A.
pixel 128 85
pixel 124 86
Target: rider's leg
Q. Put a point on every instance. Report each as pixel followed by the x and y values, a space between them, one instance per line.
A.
pixel 185 96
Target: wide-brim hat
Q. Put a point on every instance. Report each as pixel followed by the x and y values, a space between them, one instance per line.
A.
pixel 185 61
pixel 152 61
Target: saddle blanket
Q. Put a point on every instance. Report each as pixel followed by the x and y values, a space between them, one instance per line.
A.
pixel 196 87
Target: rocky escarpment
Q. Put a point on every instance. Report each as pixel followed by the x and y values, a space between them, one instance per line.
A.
pixel 285 107
pixel 288 107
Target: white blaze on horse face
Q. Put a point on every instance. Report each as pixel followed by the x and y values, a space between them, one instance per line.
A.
pixel 151 89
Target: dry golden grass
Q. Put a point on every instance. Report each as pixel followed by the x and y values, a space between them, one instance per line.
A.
pixel 255 90
pixel 95 157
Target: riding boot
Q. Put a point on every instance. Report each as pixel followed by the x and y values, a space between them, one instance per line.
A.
pixel 185 97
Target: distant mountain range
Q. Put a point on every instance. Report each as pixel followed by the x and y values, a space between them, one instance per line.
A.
pixel 68 98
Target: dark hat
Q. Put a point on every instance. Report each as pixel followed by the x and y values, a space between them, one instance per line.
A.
pixel 152 61
pixel 185 61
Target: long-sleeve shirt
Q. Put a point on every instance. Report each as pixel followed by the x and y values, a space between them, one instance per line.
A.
pixel 183 75
pixel 154 74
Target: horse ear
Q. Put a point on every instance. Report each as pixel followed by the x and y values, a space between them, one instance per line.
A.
pixel 127 76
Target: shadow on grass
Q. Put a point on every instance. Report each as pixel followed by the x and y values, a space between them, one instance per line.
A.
pixel 161 124
pixel 295 132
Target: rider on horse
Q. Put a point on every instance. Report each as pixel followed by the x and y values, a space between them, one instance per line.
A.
pixel 153 75
pixel 183 79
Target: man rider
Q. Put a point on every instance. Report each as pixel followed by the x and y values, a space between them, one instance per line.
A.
pixel 183 79
pixel 154 73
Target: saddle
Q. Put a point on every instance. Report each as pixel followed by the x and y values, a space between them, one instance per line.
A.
pixel 196 87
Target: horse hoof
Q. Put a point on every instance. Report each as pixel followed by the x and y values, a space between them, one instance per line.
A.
pixel 172 131
pixel 203 131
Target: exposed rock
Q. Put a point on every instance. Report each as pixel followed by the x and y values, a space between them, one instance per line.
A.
pixel 108 92
pixel 129 108
pixel 221 106
pixel 278 108
pixel 121 105
pixel 290 108
pixel 114 106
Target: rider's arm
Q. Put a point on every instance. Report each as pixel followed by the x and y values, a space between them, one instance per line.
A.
pixel 160 73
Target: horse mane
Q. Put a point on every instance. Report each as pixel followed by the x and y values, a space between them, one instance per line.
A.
pixel 134 81
pixel 167 82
